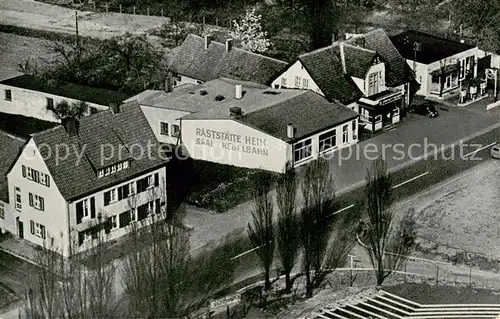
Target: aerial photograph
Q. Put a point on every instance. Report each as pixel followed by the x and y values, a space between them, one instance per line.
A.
pixel 226 159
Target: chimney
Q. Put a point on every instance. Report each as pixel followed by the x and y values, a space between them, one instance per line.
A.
pixel 115 107
pixel 342 56
pixel 70 124
pixel 290 130
pixel 169 82
pixel 238 91
pixel 229 45
pixel 235 111
pixel 208 39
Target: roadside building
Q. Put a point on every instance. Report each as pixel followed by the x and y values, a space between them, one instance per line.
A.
pixel 365 72
pixel 33 97
pixel 87 178
pixel 10 146
pixel 440 64
pixel 201 59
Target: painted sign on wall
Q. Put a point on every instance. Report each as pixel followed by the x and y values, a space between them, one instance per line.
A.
pixel 232 142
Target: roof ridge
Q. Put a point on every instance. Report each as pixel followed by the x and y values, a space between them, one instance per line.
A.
pixel 436 37
pixel 360 48
pixel 246 51
pixel 14 136
pixel 331 46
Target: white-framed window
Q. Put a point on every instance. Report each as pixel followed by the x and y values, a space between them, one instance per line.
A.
pixel 328 140
pixel 283 82
pixel 37 229
pixel 125 164
pixel 345 133
pixel 151 181
pixel 18 199
pixel 302 150
pixel 29 173
pixel 2 211
pixel 8 95
pixel 175 130
pixel 36 202
pixel 131 188
pixel 305 83
pixel 373 81
pixel 100 173
pixel 119 167
pixel 112 195
pixel 107 171
pixel 114 222
pixel 163 128
pixel 151 207
pixel 113 169
pixel 297 81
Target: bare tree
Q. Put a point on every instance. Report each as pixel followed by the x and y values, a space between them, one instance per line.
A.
pixel 261 231
pixel 287 236
pixel 75 109
pixel 388 241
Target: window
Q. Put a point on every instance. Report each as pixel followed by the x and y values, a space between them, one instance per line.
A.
pixel 8 95
pixel 283 82
pixel 328 140
pixel 302 150
pixel 50 103
pixel 150 181
pixel 198 82
pixel 36 201
pixel 175 130
pixel 305 83
pixel 113 169
pixel 18 198
pixel 112 195
pixel 107 171
pixel 119 167
pixel 131 188
pixel 297 81
pixel 2 211
pixel 123 192
pixel 276 86
pixel 37 229
pixel 109 197
pixel 100 173
pixel 124 219
pixel 93 110
pixel 373 83
pixel 395 111
pixel 163 128
pixel 353 127
pixel 114 222
pixel 179 78
pixel 125 164
pixel 345 134
pixel 85 209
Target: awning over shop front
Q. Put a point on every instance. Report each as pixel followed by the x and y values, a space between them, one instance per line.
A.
pixel 380 99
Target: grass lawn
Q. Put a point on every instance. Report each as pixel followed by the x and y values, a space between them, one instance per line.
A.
pixel 430 294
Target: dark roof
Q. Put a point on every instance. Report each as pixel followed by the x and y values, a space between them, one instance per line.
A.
pixel 397 70
pixel 317 116
pixel 433 48
pixel 69 90
pixel 193 60
pixel 10 147
pixel 325 67
pixel 357 60
pixel 121 130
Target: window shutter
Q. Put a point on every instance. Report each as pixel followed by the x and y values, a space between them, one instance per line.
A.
pixel 107 198
pixel 92 207
pixel 31 199
pixel 24 171
pixel 157 179
pixel 32 227
pixel 47 180
pixel 42 228
pixel 79 212
pixel 42 204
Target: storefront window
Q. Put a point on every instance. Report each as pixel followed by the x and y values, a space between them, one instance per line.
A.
pixel 302 150
pixel 345 133
pixel 395 111
pixel 328 140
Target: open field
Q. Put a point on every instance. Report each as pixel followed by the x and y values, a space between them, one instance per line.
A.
pixel 37 15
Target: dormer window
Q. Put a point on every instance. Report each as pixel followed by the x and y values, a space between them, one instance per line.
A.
pixel 376 60
pixel 125 164
pixel 107 171
pixel 100 173
pixel 112 169
pixel 119 167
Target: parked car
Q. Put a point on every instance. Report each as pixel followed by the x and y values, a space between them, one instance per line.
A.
pixel 495 151
pixel 424 108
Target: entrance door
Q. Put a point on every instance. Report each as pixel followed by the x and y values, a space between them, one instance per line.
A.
pixel 20 229
pixel 387 119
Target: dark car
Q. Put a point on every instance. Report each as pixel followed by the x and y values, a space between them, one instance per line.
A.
pixel 425 108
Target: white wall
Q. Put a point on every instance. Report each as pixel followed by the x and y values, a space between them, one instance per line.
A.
pixel 297 69
pixel 115 208
pixel 156 115
pixel 263 151
pixel 54 216
pixel 33 104
pixel 182 79
pixel 7 224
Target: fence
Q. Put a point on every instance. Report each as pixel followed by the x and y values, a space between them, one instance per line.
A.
pixel 213 19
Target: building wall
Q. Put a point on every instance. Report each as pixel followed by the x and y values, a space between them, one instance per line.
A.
pixel 364 83
pixel 33 104
pixel 182 79
pixel 296 70
pixel 115 208
pixel 7 223
pixel 243 147
pixel 55 214
pixel 157 115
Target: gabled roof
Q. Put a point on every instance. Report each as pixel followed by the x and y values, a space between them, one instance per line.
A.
pixel 325 68
pixel 317 116
pixel 127 130
pixel 397 70
pixel 358 60
pixel 193 60
pixel 432 48
pixel 70 90
pixel 10 147
pixel 270 110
